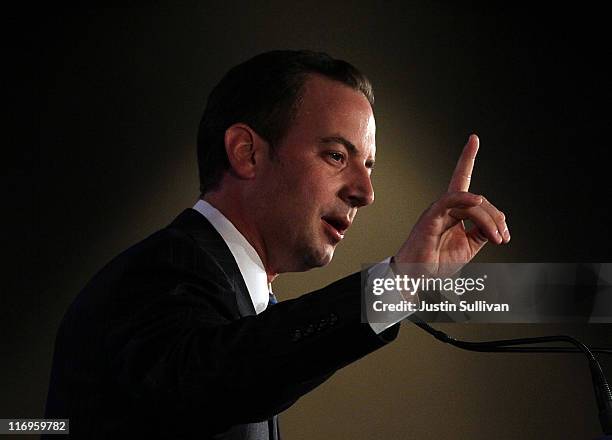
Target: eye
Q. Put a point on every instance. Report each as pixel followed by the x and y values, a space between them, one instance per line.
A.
pixel 336 156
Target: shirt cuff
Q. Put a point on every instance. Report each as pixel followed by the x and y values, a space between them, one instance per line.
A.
pixel 384 270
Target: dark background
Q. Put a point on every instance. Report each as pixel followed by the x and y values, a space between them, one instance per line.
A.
pixel 121 93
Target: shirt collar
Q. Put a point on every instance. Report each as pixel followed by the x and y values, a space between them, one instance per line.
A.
pixel 250 264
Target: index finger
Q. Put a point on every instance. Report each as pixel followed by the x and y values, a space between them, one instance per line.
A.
pixel 463 171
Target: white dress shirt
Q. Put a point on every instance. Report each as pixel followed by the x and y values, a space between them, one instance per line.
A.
pixel 250 264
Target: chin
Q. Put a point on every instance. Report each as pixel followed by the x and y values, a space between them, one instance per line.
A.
pixel 318 257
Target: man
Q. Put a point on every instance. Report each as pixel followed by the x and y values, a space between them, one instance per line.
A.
pixel 177 337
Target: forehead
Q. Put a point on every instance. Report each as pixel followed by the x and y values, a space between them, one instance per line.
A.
pixel 331 108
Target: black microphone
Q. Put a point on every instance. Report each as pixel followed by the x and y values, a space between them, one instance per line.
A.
pixel 603 393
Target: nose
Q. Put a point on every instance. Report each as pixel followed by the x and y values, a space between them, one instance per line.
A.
pixel 358 190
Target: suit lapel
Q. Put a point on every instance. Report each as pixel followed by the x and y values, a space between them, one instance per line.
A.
pixel 207 237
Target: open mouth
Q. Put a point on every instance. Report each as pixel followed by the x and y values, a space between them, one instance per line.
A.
pixel 337 226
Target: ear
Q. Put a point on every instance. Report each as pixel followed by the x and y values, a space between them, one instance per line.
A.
pixel 244 150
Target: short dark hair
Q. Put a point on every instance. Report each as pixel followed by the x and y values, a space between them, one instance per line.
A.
pixel 264 93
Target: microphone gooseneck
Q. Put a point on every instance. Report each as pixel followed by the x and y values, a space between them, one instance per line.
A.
pixel 603 393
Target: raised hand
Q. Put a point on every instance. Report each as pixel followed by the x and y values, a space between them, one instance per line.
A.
pixel 439 238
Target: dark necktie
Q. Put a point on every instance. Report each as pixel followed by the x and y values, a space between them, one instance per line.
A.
pixel 272 300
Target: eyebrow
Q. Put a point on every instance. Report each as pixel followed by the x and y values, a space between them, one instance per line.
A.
pixel 347 144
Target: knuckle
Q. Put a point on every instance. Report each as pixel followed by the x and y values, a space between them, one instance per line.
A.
pixel 442 200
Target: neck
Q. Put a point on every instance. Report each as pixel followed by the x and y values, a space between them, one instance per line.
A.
pixel 234 212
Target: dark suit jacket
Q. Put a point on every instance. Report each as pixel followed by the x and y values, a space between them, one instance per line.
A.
pixel 164 341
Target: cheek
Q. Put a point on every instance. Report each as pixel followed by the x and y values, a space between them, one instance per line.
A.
pixel 292 185
pixel 305 191
pixel 313 197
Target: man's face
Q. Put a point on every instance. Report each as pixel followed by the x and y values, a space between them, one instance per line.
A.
pixel 311 190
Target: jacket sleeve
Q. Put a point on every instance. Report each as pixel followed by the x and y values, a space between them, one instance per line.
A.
pixel 182 351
